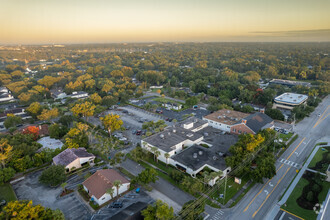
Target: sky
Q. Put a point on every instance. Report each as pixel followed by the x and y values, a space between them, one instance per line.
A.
pixel 108 21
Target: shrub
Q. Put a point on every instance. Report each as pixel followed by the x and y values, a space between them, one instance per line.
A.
pixel 309 196
pixel 53 176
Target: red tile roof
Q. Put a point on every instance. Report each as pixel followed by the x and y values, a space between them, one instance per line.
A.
pixel 99 182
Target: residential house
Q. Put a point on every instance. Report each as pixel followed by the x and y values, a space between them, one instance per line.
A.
pixel 58 94
pixel 5 95
pixel 97 185
pixel 16 111
pixel 72 158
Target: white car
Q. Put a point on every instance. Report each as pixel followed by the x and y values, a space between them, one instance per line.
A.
pixel 123 139
pixel 319 115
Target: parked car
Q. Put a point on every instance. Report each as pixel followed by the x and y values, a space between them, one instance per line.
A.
pixel 118 204
pixel 166 119
pixel 123 139
pixel 138 132
pixel 319 115
pixel 170 119
pixel 2 202
pixel 159 111
pixel 125 111
pixel 134 132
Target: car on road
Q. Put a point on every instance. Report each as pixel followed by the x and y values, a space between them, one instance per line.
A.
pixel 117 205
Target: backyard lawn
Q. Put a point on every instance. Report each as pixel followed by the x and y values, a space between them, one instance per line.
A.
pixel 7 192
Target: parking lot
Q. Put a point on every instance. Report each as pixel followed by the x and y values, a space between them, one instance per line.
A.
pixel 132 197
pixel 71 205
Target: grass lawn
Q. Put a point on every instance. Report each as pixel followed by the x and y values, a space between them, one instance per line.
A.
pixel 293 207
pixel 232 189
pixel 285 137
pixel 7 192
pixel 165 100
pixel 319 157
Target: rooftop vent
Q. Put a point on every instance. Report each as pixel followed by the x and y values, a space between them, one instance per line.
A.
pixel 195 155
pixel 200 152
pixel 219 117
pixel 206 134
pixel 161 136
pixel 174 130
pixel 190 135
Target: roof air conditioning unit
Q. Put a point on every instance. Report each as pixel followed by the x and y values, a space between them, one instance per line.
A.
pixel 161 136
pixel 195 155
pixel 200 152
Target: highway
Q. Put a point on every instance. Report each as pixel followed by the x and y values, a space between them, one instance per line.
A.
pixel 263 198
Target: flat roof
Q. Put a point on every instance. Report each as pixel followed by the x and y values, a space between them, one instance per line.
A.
pixel 226 116
pixel 289 82
pixel 170 137
pixel 213 156
pixel 291 98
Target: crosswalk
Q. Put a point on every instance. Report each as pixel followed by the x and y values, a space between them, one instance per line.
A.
pixel 290 163
pixel 217 215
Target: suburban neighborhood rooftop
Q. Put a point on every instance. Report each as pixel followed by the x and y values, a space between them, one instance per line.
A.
pixel 69 155
pixel 226 116
pixel 292 98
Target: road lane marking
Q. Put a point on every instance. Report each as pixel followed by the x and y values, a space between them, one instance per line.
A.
pixel 291 214
pixel 322 120
pixel 295 148
pixel 254 214
pixel 317 122
pixel 247 207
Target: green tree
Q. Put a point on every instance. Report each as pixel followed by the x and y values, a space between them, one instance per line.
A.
pixel 53 176
pixel 86 109
pixel 167 155
pixel 275 114
pixel 158 211
pixel 12 121
pixel 192 210
pixel 117 184
pixel 6 174
pixel 63 185
pixel 148 175
pixel 191 101
pixel 34 109
pixel 110 191
pixel 57 131
pixel 310 196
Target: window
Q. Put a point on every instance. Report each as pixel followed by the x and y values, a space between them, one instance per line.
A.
pixel 103 198
pixel 239 131
pixel 234 130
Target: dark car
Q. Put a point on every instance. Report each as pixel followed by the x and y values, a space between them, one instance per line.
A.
pixel 126 142
pixel 170 119
pixel 125 111
pixel 2 202
pixel 117 205
pixel 138 132
pixel 143 132
pixel 166 119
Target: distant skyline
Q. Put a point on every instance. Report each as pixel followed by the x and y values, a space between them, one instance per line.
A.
pixel 108 21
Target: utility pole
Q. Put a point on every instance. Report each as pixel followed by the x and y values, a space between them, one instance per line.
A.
pixel 224 195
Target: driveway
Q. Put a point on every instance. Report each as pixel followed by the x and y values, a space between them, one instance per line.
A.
pixel 71 205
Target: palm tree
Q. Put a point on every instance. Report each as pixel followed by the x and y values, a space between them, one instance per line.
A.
pixel 110 191
pixel 63 185
pixel 157 153
pixel 153 150
pixel 167 155
pixel 117 184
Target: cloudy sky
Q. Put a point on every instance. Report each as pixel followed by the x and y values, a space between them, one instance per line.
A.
pixel 106 21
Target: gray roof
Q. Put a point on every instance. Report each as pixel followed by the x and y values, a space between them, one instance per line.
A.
pixel 171 136
pixel 257 121
pixel 69 155
pixel 197 122
pixel 205 156
pixel 220 145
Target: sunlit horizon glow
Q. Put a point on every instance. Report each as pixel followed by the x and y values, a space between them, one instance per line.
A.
pixel 107 21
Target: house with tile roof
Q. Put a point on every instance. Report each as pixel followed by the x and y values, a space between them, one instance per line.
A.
pixel 72 158
pixel 97 184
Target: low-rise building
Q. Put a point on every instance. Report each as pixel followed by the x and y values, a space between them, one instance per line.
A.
pixel 72 158
pixel 289 83
pixel 58 94
pixel 6 97
pixel 78 95
pixel 224 119
pixel 290 100
pixel 172 106
pixel 97 184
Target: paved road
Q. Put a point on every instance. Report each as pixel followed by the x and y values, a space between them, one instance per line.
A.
pixel 262 198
